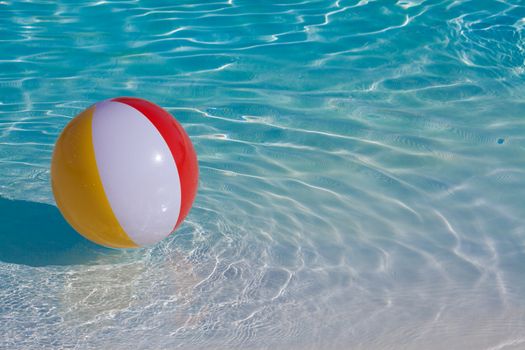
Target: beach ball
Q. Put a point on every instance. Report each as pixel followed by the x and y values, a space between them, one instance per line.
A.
pixel 124 173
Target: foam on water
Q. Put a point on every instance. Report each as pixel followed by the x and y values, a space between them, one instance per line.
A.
pixel 362 174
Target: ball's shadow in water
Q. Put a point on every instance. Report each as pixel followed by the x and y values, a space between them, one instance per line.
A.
pixel 36 234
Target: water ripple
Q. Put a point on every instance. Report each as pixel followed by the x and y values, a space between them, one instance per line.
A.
pixel 361 174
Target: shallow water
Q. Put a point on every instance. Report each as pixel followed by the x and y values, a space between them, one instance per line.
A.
pixel 362 175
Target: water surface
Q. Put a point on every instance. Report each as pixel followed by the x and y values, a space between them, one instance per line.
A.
pixel 362 175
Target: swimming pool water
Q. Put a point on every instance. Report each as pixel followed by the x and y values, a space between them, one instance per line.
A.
pixel 362 174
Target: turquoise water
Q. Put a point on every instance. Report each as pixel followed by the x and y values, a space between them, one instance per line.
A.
pixel 362 175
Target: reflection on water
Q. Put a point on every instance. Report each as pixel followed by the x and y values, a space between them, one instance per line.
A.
pixel 362 175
